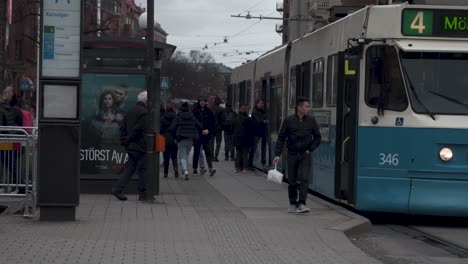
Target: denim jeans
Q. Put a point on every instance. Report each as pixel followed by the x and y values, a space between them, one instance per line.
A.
pixel 184 149
pixel 201 160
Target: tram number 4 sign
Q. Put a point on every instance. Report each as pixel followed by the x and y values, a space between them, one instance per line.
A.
pixel 435 23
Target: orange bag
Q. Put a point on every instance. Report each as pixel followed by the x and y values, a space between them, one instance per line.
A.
pixel 160 143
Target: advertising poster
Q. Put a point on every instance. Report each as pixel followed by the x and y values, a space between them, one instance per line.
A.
pixel 323 119
pixel 105 100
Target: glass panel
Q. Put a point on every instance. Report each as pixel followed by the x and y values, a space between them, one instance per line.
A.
pixel 439 81
pixel 332 80
pixel 317 84
pixel 292 88
pixel 384 85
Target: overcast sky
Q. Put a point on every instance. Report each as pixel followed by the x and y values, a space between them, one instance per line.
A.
pixel 193 24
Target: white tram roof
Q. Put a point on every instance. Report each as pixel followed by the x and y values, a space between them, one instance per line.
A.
pixel 372 22
pixel 243 72
pixel 386 21
pixel 271 62
pixel 434 45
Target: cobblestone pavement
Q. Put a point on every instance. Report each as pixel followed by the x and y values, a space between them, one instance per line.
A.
pixel 228 218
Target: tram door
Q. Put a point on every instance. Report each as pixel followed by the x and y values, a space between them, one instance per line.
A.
pixel 346 126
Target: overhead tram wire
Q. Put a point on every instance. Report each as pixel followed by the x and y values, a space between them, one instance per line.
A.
pixel 235 35
pixel 255 5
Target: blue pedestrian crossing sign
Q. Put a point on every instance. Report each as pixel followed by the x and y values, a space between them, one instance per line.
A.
pixel 164 83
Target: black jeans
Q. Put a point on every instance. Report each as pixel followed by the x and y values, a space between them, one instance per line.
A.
pixel 218 137
pixel 171 154
pixel 298 177
pixel 229 149
pixel 135 163
pixel 253 150
pixel 242 153
pixel 208 153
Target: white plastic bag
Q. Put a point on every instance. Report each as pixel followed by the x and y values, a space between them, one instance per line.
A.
pixel 275 176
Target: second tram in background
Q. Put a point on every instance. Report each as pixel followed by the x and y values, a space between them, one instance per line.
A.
pixel 389 89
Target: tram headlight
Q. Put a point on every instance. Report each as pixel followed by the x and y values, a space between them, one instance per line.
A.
pixel 445 154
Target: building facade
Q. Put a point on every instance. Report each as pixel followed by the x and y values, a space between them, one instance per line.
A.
pixel 117 18
pixel 305 16
pixel 19 41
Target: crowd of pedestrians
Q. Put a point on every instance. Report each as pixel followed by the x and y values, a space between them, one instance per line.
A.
pixel 202 130
pixel 13 113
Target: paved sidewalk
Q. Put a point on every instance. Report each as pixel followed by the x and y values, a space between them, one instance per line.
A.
pixel 228 218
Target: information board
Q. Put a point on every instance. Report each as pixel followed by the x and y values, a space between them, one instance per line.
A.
pixel 435 23
pixel 61 38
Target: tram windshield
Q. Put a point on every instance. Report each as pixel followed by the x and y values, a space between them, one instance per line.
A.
pixel 439 81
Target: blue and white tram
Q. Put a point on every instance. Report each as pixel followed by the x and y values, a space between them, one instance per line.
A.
pixel 389 89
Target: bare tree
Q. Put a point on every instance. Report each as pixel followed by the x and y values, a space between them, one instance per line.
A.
pixel 199 57
pixel 193 75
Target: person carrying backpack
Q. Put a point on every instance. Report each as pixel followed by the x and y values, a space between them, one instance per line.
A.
pixel 228 117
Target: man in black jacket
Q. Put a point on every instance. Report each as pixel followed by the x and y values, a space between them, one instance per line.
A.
pixel 132 134
pixel 229 117
pixel 259 120
pixel 206 118
pixel 218 133
pixel 302 135
pixel 242 138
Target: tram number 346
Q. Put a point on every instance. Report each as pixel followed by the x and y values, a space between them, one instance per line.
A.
pixel 389 159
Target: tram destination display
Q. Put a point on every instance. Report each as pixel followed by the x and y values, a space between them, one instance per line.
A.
pixel 435 23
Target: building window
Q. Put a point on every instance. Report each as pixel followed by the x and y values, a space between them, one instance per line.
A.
pixel 116 7
pixel 323 4
pixel 317 84
pixel 128 21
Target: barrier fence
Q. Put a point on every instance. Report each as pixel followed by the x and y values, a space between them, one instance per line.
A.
pixel 18 166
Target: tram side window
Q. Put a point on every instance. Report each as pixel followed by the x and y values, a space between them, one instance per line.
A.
pixel 257 90
pixel 276 94
pixel 317 84
pixel 384 84
pixel 305 75
pixel 292 88
pixel 235 96
pixel 332 79
pixel 248 92
pixel 242 92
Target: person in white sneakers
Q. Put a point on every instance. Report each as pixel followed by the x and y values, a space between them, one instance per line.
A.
pixel 302 135
pixel 186 127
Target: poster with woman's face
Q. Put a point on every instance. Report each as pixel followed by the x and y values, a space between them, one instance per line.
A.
pixel 105 100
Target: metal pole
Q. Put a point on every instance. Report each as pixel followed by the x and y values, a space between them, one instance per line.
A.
pixel 152 160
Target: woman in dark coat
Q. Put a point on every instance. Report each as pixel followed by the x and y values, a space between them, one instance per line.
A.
pixel 243 138
pixel 170 153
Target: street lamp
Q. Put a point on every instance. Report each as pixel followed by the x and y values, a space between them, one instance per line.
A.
pixel 143 21
pixel 152 74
